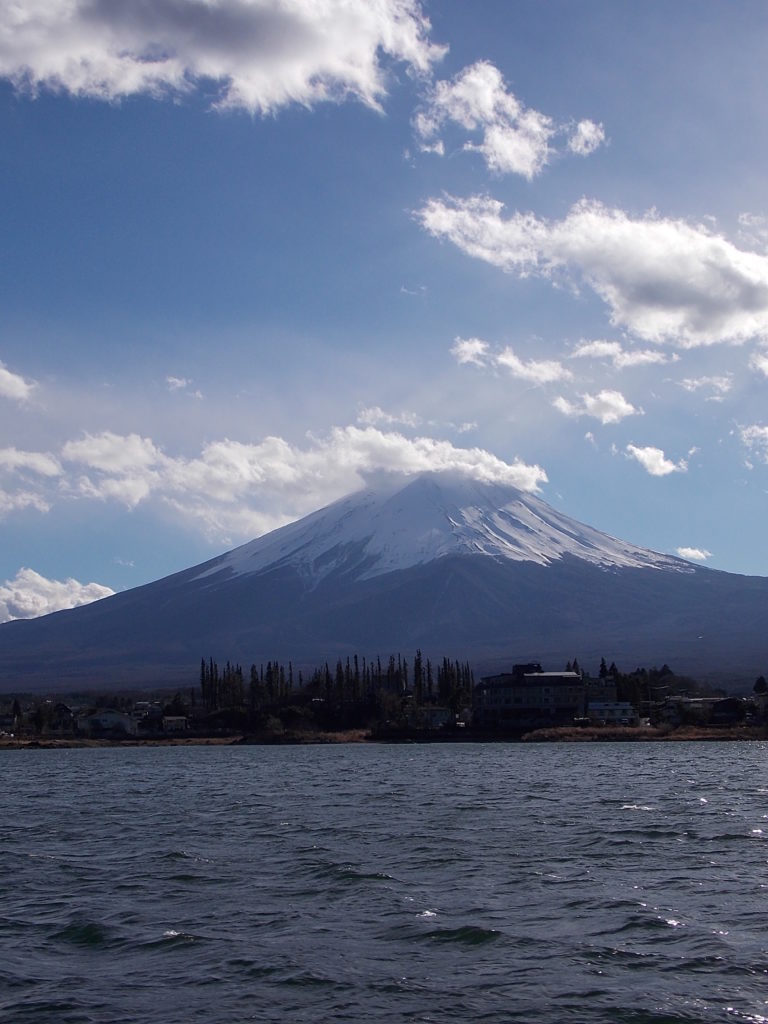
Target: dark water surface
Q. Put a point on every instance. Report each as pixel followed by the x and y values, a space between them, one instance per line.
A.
pixel 587 883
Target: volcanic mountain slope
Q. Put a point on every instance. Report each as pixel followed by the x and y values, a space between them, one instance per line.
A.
pixel 476 571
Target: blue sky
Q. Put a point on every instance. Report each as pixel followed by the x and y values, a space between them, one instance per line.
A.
pixel 254 251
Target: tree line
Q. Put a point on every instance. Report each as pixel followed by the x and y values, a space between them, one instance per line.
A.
pixel 354 689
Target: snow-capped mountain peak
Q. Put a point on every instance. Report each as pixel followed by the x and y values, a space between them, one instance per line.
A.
pixel 398 525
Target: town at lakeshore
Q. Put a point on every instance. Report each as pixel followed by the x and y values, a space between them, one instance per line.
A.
pixel 393 700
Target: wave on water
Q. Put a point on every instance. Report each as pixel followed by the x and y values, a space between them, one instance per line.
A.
pixel 494 883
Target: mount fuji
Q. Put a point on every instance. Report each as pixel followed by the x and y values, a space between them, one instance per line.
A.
pixel 472 570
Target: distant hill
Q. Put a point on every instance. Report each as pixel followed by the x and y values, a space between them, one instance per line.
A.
pixel 475 571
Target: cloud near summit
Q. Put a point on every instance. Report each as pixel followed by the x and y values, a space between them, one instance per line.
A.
pixel 238 490
pixel 662 279
pixel 262 54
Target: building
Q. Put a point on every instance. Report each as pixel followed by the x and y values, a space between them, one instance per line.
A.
pixel 611 712
pixel 528 698
pixel 106 723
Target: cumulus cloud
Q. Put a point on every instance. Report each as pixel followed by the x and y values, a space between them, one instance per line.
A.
pixel 586 138
pixel 661 279
pixel 237 489
pixel 261 54
pixel 536 371
pixel 759 362
pixel 513 138
pixel 694 554
pixel 607 406
pixel 654 461
pixel 13 386
pixel 29 594
pixel 620 357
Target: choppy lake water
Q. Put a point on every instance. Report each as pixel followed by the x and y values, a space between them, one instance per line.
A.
pixel 587 883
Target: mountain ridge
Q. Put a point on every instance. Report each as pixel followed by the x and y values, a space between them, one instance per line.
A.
pixel 471 570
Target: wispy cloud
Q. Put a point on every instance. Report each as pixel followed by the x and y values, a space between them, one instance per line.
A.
pixel 513 138
pixel 759 361
pixel 607 406
pixel 755 437
pixel 753 230
pixel 374 416
pixel 14 386
pixel 17 498
pixel 621 358
pixel 183 384
pixel 29 594
pixel 263 55
pixel 654 461
pixel 472 351
pixel 535 371
pixel 717 387
pixel 42 463
pixel 662 279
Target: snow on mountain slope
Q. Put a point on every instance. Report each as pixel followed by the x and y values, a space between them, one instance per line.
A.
pixel 398 525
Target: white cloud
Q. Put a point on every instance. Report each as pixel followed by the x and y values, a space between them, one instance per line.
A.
pixel 29 594
pixel 470 350
pixel 538 371
pixel 375 416
pixel 16 500
pixel 662 279
pixel 113 453
pixel 262 54
pixel 13 386
pixel 620 357
pixel 236 489
pixel 13 460
pixel 694 554
pixel 759 362
pixel 607 406
pixel 654 461
pixel 753 230
pixel 27 477
pixel 183 384
pixel 586 138
pixel 755 437
pixel 514 139
pixel 718 386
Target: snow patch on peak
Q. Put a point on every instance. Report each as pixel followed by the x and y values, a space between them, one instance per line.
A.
pixel 393 526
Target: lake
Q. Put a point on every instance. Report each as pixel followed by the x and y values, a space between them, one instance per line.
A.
pixel 430 883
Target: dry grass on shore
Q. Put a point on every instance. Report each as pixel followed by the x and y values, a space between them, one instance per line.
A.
pixel 644 733
pixel 297 737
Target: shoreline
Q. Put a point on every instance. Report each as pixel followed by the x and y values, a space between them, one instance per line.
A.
pixel 558 734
